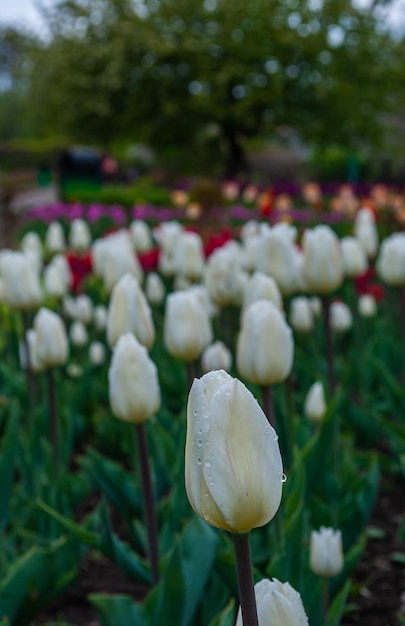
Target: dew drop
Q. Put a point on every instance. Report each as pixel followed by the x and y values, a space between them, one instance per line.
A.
pixel 283 478
pixel 207 463
pixel 199 461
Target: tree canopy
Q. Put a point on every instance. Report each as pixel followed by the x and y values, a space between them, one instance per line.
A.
pixel 188 74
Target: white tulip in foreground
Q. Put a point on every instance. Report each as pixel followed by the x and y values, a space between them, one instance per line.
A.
pixel 315 405
pixel 21 281
pixel 51 343
pixel 326 554
pixel 265 345
pixel 233 463
pixel 278 604
pixel 133 381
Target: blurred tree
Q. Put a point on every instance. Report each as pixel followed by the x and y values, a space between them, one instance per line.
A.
pixel 190 73
pixel 18 117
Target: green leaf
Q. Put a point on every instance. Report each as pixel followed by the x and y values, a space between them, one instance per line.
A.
pixel 338 606
pixel 36 578
pixel 184 576
pixel 226 617
pixel 7 464
pixel 117 610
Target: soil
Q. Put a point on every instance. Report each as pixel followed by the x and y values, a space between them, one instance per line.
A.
pixel 377 599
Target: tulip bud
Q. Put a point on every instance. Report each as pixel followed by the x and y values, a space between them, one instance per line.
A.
pixel 261 287
pixel 83 309
pixel 315 406
pixel 31 245
pixel 278 604
pixel 167 236
pixel 216 357
pixel 51 345
pixel 233 465
pixel 100 316
pixel 323 261
pixel 367 305
pixel 154 289
pixel 79 236
pixel 187 327
pixel 224 279
pixel 21 281
pixel 391 260
pixel 74 370
pixel 265 346
pixel 301 314
pixel 366 231
pixel 340 317
pixel 189 256
pixel 97 353
pixel 129 312
pixel 117 258
pixel 277 257
pixel 78 334
pixel 133 381
pixel 354 257
pixel 141 236
pixel 54 281
pixel 326 554
pixel 55 238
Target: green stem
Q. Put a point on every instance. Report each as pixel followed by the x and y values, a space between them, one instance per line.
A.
pixel 148 502
pixel 328 344
pixel 245 580
pixel 325 585
pixel 268 404
pixel 53 419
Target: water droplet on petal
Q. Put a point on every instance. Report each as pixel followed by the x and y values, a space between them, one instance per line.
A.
pixel 283 478
pixel 207 463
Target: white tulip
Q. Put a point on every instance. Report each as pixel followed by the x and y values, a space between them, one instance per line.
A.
pixel 78 334
pixel 55 238
pixel 129 312
pixel 365 230
pixel 265 347
pixel 79 235
pixel 354 257
pixel 326 554
pixel 315 405
pixel 97 353
pixel 141 236
pixel 216 357
pixel 391 260
pixel 278 604
pixel 233 464
pixel 133 381
pixel 51 344
pixel 301 314
pixel 261 287
pixel 21 281
pixel 323 260
pixel 340 317
pixel 189 256
pixel 367 305
pixel 187 326
pixel 154 289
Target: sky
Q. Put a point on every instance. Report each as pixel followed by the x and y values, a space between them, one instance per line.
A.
pixel 27 13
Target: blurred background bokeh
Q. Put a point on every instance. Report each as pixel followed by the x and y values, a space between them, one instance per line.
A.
pixel 264 90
